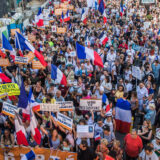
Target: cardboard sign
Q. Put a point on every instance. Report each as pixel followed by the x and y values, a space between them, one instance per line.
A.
pixel 65 105
pixel 30 56
pixel 13 31
pixel 37 65
pixel 11 88
pixel 61 30
pixel 21 60
pixel 136 72
pixel 9 109
pixel 49 107
pixel 31 37
pixel 85 131
pixel 90 104
pixel 4 62
pixel 54 29
pixel 64 121
pixel 16 153
pixel 58 12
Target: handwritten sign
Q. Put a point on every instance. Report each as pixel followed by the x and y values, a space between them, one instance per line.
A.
pixel 4 62
pixel 21 60
pixel 65 105
pixel 85 131
pixel 37 65
pixel 89 104
pixel 13 31
pixel 9 109
pixel 49 107
pixel 64 121
pixel 61 30
pixel 30 56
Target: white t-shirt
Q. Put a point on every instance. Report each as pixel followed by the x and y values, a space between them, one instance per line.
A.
pixel 156 146
pixel 143 155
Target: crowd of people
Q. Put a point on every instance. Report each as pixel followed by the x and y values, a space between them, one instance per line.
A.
pixel 138 26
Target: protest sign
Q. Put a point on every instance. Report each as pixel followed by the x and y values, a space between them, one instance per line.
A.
pixel 70 7
pixel 136 72
pixel 58 12
pixel 49 107
pixel 10 88
pixel 62 5
pixel 61 30
pixel 46 23
pixel 4 62
pixel 9 109
pixel 85 131
pixel 56 6
pixel 3 95
pixel 13 31
pixel 65 105
pixel 30 56
pixel 139 48
pixel 16 153
pixel 37 65
pixel 147 1
pixel 90 104
pixel 21 60
pixel 64 121
pixel 54 29
pixel 31 37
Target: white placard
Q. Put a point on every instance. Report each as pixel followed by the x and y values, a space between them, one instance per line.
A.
pixel 9 109
pixel 148 1
pixel 54 29
pixel 64 121
pixel 49 107
pixel 90 104
pixel 65 105
pixel 21 60
pixel 85 131
pixel 136 72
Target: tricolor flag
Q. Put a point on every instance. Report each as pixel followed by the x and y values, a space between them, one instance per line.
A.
pixel 67 17
pixel 101 6
pixel 84 16
pixel 69 27
pixel 87 53
pixel 17 44
pixel 103 38
pixel 20 131
pixel 62 18
pixel 121 9
pixel 39 18
pixel 6 45
pixel 4 78
pixel 27 46
pixel 97 137
pixel 104 17
pixel 123 116
pixel 29 156
pixel 58 75
pixel 34 130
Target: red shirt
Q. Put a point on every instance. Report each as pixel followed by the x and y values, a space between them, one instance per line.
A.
pixel 133 146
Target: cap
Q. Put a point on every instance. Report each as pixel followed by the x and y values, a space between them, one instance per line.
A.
pixel 158 135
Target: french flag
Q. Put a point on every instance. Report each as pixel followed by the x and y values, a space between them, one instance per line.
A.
pixel 27 46
pixel 101 7
pixel 20 131
pixel 17 45
pixel 39 18
pixel 4 78
pixel 58 75
pixel 104 17
pixel 103 38
pixel 121 10
pixel 87 53
pixel 84 16
pixel 62 18
pixel 97 137
pixel 67 17
pixel 6 45
pixel 29 156
pixel 34 130
pixel 123 116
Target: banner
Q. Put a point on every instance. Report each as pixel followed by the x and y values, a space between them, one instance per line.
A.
pixel 9 109
pixel 65 105
pixel 13 31
pixel 61 30
pixel 4 62
pixel 11 88
pixel 21 60
pixel 3 95
pixel 37 65
pixel 49 107
pixel 64 121
pixel 148 1
pixel 85 131
pixel 30 56
pixel 139 48
pixel 58 12
pixel 90 104
pixel 16 153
